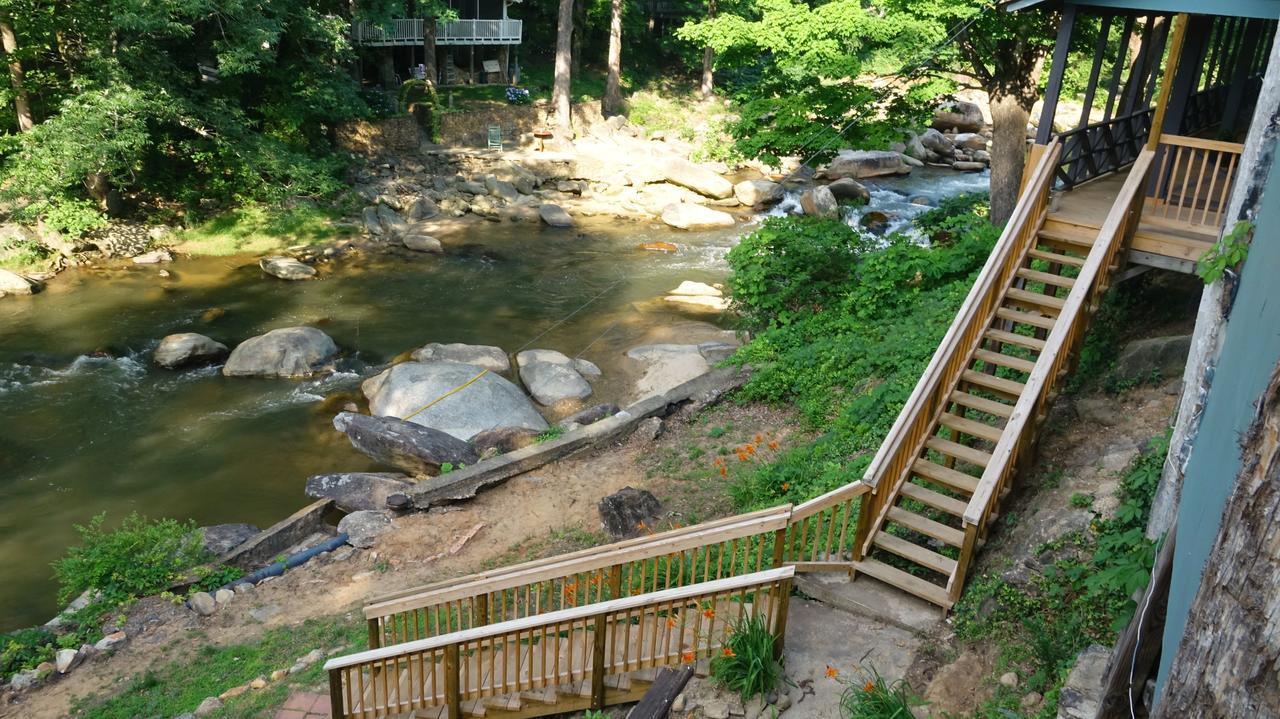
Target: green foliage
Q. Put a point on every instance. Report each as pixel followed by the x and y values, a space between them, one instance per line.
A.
pixel 745 664
pixel 138 558
pixel 25 649
pixel 876 698
pixel 550 433
pixel 209 578
pixel 1227 253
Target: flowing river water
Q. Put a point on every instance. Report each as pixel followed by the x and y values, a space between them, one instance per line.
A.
pixel 89 425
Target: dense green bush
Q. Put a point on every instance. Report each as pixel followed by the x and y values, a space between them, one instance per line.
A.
pixel 138 558
pixel 25 649
pixel 746 664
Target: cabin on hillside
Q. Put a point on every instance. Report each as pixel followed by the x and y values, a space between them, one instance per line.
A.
pixel 479 47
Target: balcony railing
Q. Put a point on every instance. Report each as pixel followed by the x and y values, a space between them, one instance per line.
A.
pixel 409 31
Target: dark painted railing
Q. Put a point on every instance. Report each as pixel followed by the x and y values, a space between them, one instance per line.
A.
pixel 1095 150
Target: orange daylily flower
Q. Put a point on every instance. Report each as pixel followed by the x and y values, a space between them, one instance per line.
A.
pixel 786 486
pixel 709 613
pixel 832 672
pixel 671 622
pixel 726 651
pixel 870 686
pixel 687 657
pixel 773 444
pixel 724 472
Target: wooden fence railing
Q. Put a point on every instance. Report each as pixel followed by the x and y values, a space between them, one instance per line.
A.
pixel 409 31
pixel 1061 347
pixel 932 393
pixel 586 644
pixel 821 533
pixel 714 550
pixel 1095 150
pixel 1192 184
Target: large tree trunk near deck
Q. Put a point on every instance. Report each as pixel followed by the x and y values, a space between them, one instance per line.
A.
pixel 21 105
pixel 708 60
pixel 1009 118
pixel 429 50
pixel 1227 660
pixel 561 86
pixel 612 104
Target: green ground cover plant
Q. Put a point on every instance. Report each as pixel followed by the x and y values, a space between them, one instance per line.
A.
pixel 745 664
pixel 875 698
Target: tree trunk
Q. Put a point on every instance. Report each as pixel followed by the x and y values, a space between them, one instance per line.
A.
pixel 429 50
pixel 579 31
pixel 21 105
pixel 612 104
pixel 1226 662
pixel 1009 119
pixel 708 60
pixel 561 86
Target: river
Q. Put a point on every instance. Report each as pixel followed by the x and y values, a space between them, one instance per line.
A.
pixel 89 425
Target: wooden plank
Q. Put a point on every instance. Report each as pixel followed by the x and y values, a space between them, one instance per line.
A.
pixel 1047 278
pixel 1201 143
pixel 1169 246
pixel 1013 338
pixel 907 582
pixel 1056 257
pixel 935 472
pixel 1003 360
pixel 656 702
pixel 937 500
pixel 993 383
pixel 1032 299
pixel 982 404
pixel 1070 239
pixel 907 550
pixel 1025 318
pixel 926 526
pixel 971 427
pixel 954 449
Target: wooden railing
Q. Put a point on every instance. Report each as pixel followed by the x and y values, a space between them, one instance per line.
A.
pixel 906 438
pixel 1061 346
pixel 581 644
pixel 821 533
pixel 402 31
pixel 1095 150
pixel 409 31
pixel 1193 181
pixel 724 548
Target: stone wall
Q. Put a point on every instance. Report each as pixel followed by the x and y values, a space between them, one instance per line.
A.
pixel 392 134
pixel 470 127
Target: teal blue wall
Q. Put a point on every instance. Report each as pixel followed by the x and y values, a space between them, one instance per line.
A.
pixel 1250 352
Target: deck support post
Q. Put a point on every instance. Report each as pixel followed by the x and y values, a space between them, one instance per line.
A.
pixel 780 624
pixel 1095 71
pixel 1060 49
pixel 452 693
pixel 375 634
pixel 1113 86
pixel 1166 84
pixel 1240 76
pixel 1187 74
pixel 597 663
pixel 336 709
pixel 480 611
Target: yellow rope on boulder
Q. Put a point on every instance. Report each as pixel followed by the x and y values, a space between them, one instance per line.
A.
pixel 453 391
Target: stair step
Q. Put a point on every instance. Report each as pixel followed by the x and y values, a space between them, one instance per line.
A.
pixel 993 383
pixel 937 500
pixel 1056 257
pixel 946 476
pixel 926 526
pixel 1013 338
pixel 1025 318
pixel 912 584
pixel 959 451
pixel 1058 235
pixel 1046 277
pixel 982 404
pixel 1004 360
pixel 920 555
pixel 1035 299
pixel 971 427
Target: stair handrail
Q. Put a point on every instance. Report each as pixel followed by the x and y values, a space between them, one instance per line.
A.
pixel 818 533
pixel 903 443
pixel 1063 340
pixel 603 572
pixel 377 672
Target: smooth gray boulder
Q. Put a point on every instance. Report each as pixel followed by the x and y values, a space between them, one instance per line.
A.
pixel 581 366
pixel 422 208
pixel 686 174
pixel 12 283
pixel 391 221
pixel 666 366
pixel 501 188
pixel 202 603
pixel 487 402
pixel 688 216
pixel 551 382
pixel 354 491
pixel 364 527
pixel 404 445
pixel 628 512
pixel 958 115
pixel 222 538
pixel 186 348
pixel 503 440
pixel 487 357
pixel 286 352
pixel 758 193
pixel 1163 356
pixel 820 202
pixel 865 163
pixel 554 215
pixel 847 189
pixel 372 224
pixel 286 268
pixel 938 143
pixel 423 243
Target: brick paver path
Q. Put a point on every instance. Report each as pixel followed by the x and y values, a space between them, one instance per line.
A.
pixel 305 705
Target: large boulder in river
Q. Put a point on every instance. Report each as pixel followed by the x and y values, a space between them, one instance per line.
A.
pixel 554 215
pixel 681 172
pixel 476 403
pixel 865 163
pixel 354 491
pixel 938 143
pixel 688 216
pixel 423 243
pixel 185 348
pixel 819 202
pixel 758 193
pixel 551 383
pixel 403 445
pixel 958 115
pixel 423 208
pixel 286 268
pixel 487 357
pixel 286 352
pixel 847 189
pixel 12 283
pixel 581 366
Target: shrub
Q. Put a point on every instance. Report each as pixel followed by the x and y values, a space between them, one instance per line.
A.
pixel 746 664
pixel 875 698
pixel 25 649
pixel 518 96
pixel 140 557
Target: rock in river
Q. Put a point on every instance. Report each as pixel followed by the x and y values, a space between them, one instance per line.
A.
pixel 286 268
pixel 487 357
pixel 15 284
pixel 849 190
pixel 354 491
pixel 554 215
pixel 758 193
pixel 688 216
pixel 819 202
pixel 403 445
pixel 184 348
pixel 487 402
pixel 286 352
pixel 681 172
pixel 423 243
pixel 503 440
pixel 550 382
pixel 865 163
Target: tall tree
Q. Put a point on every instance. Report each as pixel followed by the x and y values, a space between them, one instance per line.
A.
pixel 708 60
pixel 561 86
pixel 21 104
pixel 612 103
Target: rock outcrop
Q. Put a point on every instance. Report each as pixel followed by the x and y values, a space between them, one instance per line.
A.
pixel 688 216
pixel 286 268
pixel 404 445
pixel 12 283
pixel 554 215
pixel 487 357
pixel 858 164
pixel 187 348
pixel 286 352
pixel 474 406
pixel 959 116
pixel 354 491
pixel 701 180
pixel 758 193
